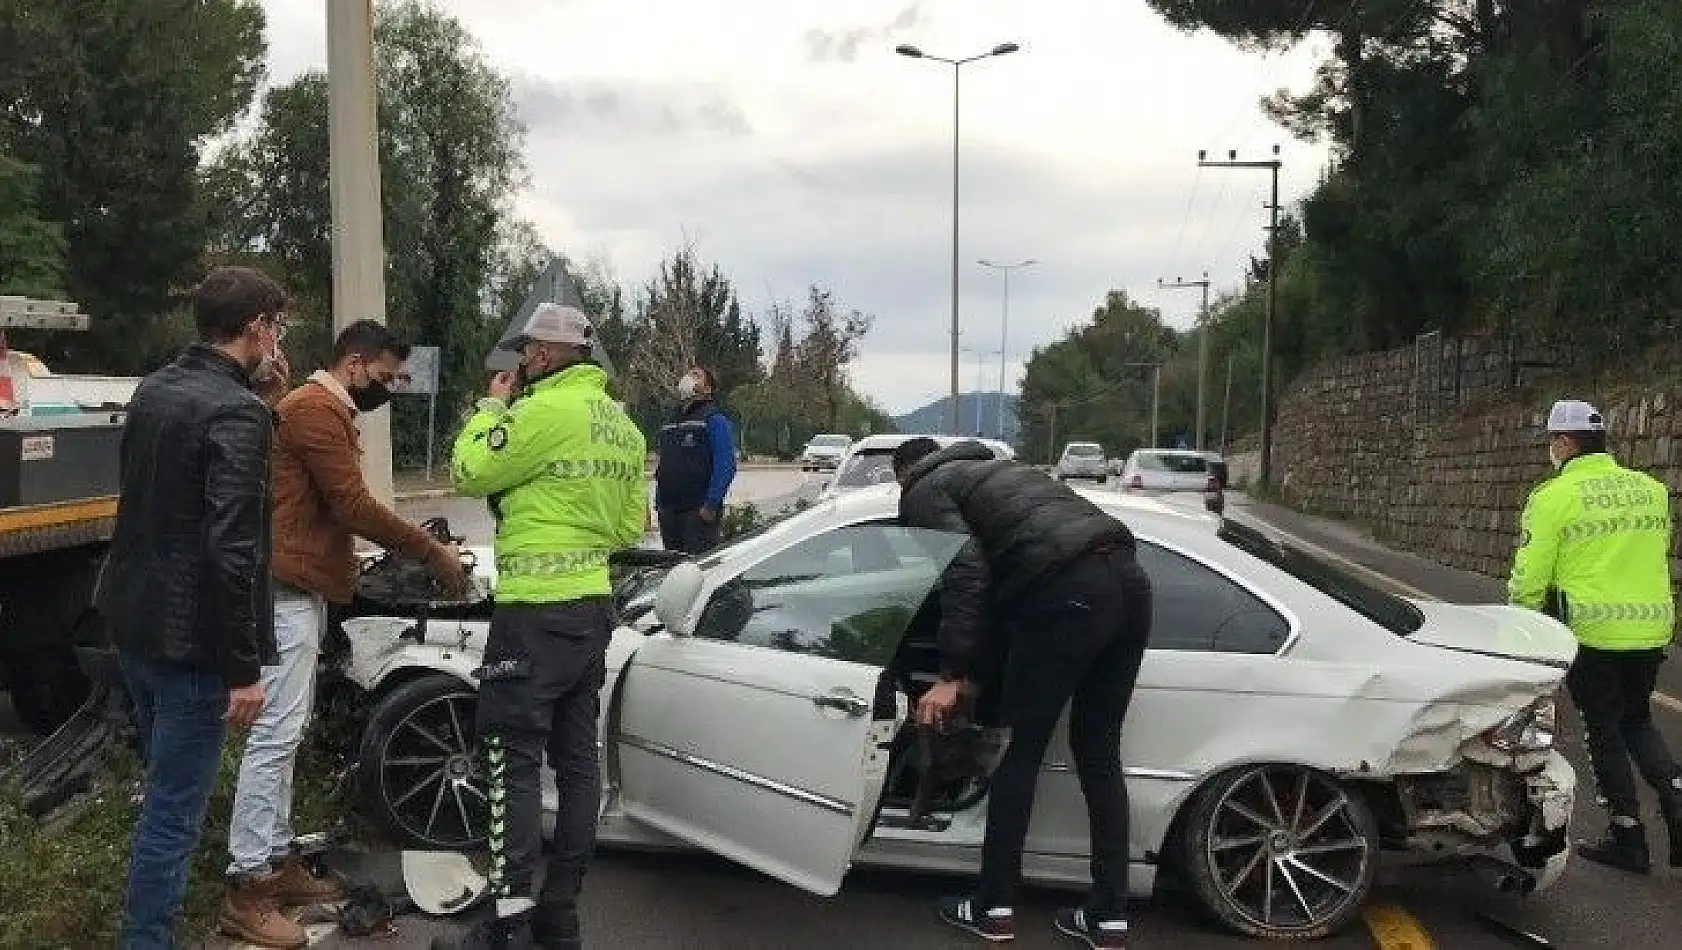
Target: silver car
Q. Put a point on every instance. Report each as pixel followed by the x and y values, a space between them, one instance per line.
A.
pixel 1176 471
pixel 1292 725
pixel 1082 460
pixel 824 452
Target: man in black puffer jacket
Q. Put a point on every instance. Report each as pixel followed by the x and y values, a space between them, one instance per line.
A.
pixel 1073 609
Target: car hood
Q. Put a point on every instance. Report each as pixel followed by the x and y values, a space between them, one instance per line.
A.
pixel 1499 631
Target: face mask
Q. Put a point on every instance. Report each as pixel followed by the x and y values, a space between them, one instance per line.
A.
pixel 686 388
pixel 370 397
pixel 1558 463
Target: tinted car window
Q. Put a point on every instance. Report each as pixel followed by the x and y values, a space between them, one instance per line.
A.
pixel 867 468
pixel 1196 608
pixel 1085 451
pixel 1178 464
pixel 1381 607
pixel 847 594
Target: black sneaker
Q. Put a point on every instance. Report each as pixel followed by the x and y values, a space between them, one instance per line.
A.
pixel 1623 847
pixel 997 924
pixel 493 933
pixel 1098 934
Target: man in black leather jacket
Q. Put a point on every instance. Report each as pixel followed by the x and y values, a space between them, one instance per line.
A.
pixel 1073 608
pixel 185 588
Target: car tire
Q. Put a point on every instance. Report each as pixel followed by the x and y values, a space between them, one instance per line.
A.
pixel 427 797
pixel 1301 873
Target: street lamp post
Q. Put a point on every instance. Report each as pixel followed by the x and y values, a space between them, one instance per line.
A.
pixel 957 64
pixel 980 382
pixel 1004 335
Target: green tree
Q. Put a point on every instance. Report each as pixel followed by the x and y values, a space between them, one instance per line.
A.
pixel 450 155
pixel 31 250
pixel 110 100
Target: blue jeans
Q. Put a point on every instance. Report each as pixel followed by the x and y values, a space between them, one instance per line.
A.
pixel 180 712
pixel 260 829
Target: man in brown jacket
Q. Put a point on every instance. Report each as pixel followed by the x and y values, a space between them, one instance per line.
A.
pixel 321 504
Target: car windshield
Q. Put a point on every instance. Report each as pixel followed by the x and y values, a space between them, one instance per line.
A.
pixel 874 467
pixel 1381 607
pixel 830 442
pixel 1085 451
pixel 1175 463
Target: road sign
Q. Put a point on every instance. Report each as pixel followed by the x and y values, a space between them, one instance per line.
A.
pixel 554 285
pixel 422 367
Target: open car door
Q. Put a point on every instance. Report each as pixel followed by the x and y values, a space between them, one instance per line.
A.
pixel 759 729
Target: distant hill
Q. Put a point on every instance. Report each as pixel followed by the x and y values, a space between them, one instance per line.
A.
pixel 932 418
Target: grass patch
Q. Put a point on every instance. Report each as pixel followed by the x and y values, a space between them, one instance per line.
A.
pixel 62 886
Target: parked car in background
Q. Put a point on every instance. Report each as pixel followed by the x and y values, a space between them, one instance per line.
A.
pixel 1176 471
pixel 1082 460
pixel 870 460
pixel 824 452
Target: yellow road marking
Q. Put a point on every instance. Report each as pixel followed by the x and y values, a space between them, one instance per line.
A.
pixel 1396 929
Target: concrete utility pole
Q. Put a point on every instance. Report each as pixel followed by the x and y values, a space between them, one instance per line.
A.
pixel 1156 396
pixel 1226 402
pixel 1003 49
pixel 1004 336
pixel 354 186
pixel 1272 165
pixel 1202 345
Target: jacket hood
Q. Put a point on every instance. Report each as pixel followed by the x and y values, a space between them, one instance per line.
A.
pixel 968 450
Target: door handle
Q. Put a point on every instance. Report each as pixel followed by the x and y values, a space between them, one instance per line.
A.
pixel 853 706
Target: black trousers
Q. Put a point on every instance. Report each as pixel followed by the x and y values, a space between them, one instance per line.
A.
pixel 540 692
pixel 1613 689
pixel 1076 641
pixel 688 532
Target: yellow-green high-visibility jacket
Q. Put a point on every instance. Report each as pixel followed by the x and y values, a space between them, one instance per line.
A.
pixel 1598 534
pixel 563 468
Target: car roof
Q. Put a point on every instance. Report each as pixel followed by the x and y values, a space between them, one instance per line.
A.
pixel 882 501
pixel 877 443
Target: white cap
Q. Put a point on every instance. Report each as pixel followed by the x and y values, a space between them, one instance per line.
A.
pixel 1574 415
pixel 554 323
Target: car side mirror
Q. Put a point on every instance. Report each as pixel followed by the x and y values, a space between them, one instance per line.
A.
pixel 676 598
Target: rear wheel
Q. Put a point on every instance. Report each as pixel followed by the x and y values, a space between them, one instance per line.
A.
pixel 419 771
pixel 47 685
pixel 1280 852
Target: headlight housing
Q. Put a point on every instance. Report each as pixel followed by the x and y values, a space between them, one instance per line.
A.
pixel 1531 729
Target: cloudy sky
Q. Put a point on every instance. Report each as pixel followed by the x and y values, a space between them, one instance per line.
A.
pixel 787 141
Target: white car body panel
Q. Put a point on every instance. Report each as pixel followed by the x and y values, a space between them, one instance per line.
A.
pixel 1342 694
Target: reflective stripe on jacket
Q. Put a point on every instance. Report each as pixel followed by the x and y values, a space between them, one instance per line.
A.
pixel 564 469
pixel 1597 536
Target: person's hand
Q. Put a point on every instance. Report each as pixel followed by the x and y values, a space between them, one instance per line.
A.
pixel 936 706
pixel 451 574
pixel 273 387
pixel 708 514
pixel 502 386
pixel 245 704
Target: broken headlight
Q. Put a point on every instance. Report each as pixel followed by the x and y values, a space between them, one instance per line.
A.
pixel 1531 729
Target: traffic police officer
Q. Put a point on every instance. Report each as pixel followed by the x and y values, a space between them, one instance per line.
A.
pixel 1595 553
pixel 563 468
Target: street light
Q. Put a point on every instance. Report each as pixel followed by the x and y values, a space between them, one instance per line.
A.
pixel 1004 333
pixel 957 64
pixel 980 381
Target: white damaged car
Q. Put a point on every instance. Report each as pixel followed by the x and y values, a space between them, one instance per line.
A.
pixel 1293 725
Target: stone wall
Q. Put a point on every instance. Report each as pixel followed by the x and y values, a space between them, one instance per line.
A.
pixel 1438 453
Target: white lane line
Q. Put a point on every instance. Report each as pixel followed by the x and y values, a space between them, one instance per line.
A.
pixel 1664 700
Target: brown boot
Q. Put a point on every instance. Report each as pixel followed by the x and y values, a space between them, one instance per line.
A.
pixel 251 912
pixel 297 887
